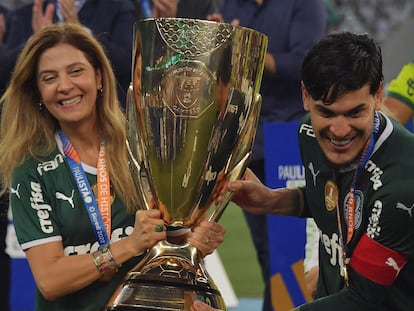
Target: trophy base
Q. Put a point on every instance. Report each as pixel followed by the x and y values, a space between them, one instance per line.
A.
pixel 171 278
pixel 140 293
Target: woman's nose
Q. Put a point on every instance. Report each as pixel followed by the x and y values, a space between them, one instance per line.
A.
pixel 64 83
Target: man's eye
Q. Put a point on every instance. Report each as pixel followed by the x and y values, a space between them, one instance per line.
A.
pixel 326 113
pixel 355 113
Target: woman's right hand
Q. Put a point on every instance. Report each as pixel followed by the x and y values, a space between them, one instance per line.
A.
pixel 149 229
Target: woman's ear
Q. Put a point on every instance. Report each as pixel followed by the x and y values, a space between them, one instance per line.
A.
pixel 98 76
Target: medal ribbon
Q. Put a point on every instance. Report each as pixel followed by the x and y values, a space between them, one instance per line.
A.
pixel 104 190
pixel 365 155
pixel 99 215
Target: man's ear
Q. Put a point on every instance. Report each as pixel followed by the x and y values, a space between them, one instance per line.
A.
pixel 305 97
pixel 379 96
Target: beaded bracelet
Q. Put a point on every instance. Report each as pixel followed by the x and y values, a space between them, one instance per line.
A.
pixel 104 261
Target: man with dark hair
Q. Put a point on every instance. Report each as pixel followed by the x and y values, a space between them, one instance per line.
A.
pixel 292 27
pixel 359 181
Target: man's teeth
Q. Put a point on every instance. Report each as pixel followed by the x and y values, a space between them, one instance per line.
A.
pixel 70 101
pixel 340 142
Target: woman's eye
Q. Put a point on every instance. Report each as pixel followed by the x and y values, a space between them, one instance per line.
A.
pixel 76 71
pixel 48 79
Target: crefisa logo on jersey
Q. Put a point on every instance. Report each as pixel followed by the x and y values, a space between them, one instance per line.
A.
pixel 359 199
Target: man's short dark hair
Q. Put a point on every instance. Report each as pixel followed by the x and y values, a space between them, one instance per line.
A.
pixel 340 63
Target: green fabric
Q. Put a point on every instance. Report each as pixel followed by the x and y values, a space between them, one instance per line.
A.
pixel 383 187
pixel 47 207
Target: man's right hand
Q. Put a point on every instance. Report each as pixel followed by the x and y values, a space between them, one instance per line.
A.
pixel 250 193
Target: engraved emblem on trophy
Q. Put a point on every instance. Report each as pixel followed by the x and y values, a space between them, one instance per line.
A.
pixel 192 112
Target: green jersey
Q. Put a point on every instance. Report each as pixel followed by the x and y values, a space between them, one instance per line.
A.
pixel 47 207
pixel 402 87
pixel 381 250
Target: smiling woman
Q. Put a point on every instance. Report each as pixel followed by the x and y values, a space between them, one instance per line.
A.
pixel 62 127
pixel 69 88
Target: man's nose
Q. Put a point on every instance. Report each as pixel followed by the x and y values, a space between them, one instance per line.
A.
pixel 340 126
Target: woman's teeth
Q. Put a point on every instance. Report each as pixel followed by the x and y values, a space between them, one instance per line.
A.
pixel 70 101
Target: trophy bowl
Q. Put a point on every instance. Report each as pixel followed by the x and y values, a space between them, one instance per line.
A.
pixel 192 112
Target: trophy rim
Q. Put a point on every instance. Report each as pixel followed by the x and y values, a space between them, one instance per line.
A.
pixel 200 21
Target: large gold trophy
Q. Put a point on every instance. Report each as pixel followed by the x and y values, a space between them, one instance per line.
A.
pixel 192 112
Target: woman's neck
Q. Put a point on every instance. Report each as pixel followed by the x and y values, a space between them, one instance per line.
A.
pixel 86 142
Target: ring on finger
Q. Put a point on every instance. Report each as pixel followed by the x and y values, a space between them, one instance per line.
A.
pixel 159 228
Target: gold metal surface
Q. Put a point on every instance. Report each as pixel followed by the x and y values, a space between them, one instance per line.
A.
pixel 192 112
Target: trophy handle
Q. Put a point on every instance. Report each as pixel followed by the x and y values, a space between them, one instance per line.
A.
pixel 136 157
pixel 144 200
pixel 235 174
pixel 239 160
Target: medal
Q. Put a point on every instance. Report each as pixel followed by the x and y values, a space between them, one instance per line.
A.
pixel 345 271
pixel 346 278
pixel 331 195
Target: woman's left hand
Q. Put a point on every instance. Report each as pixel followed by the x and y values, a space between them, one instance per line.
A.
pixel 206 236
